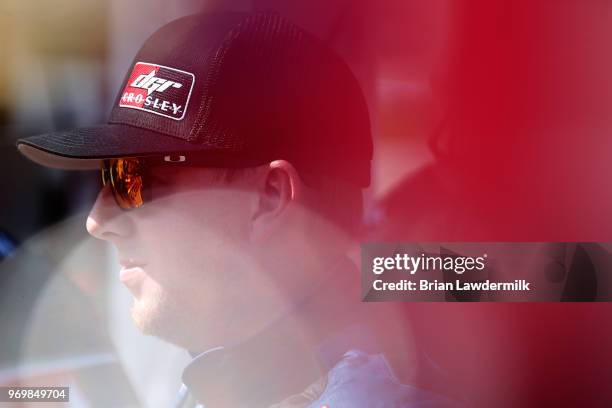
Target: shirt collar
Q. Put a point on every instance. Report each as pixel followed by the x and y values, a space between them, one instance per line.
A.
pixel 282 360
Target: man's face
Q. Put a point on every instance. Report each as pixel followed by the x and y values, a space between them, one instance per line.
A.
pixel 186 258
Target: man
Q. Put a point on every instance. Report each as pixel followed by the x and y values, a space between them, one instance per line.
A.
pixel 233 163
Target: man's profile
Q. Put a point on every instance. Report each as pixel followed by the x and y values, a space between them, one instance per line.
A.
pixel 233 165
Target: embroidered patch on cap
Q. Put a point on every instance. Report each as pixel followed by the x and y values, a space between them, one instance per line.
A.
pixel 158 89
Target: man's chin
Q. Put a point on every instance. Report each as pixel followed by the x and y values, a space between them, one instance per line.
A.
pixel 144 317
pixel 156 319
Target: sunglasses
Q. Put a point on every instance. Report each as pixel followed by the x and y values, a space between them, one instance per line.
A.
pixel 127 178
pixel 130 178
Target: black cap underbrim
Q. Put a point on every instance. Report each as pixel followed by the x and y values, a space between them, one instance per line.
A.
pixel 85 148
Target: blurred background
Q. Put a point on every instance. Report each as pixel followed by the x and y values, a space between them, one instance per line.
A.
pixel 491 122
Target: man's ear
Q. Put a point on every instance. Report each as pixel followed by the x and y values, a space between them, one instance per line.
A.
pixel 279 186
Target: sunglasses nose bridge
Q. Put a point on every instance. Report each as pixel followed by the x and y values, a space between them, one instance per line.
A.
pixel 105 176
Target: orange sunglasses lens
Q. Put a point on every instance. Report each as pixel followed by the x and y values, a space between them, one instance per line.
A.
pixel 126 177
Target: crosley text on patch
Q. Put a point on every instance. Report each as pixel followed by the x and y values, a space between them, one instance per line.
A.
pixel 158 89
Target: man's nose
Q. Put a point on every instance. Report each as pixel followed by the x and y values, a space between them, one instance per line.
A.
pixel 106 220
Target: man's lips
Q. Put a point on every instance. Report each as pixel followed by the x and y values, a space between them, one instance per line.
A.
pixel 131 271
pixel 130 262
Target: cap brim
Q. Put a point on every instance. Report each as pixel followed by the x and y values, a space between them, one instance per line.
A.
pixel 85 148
